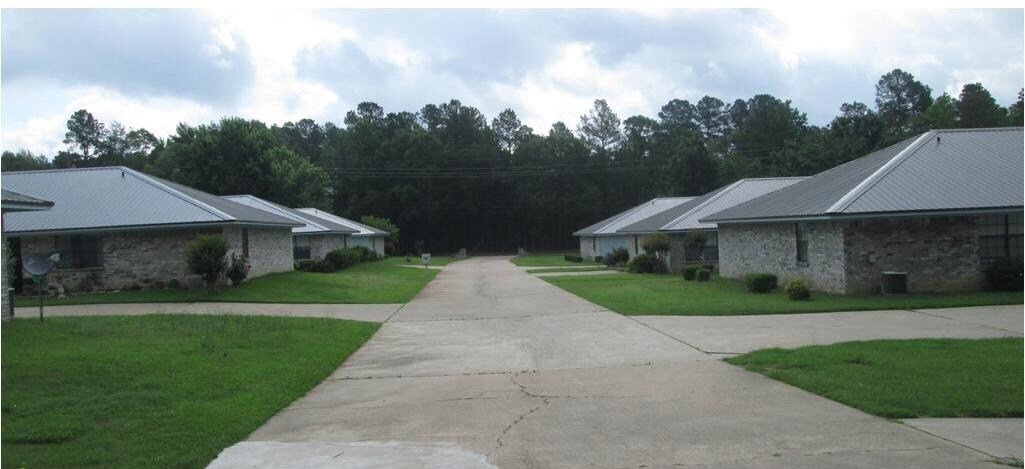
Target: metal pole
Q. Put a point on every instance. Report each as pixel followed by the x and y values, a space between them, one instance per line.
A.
pixel 39 288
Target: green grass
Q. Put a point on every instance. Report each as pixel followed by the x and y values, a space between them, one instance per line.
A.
pixel 547 260
pixel 905 378
pixel 156 391
pixel 648 294
pixel 365 283
pixel 567 269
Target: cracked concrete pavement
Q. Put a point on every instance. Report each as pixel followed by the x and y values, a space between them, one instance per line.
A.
pixel 492 367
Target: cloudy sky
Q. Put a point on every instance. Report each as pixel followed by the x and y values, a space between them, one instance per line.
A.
pixel 155 68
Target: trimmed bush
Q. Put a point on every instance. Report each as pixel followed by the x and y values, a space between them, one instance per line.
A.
pixel 646 264
pixel 305 265
pixel 1004 275
pixel 690 272
pixel 343 258
pixel 709 267
pixel 599 259
pixel 238 270
pixel 576 259
pixel 204 256
pixel 703 275
pixel 618 256
pixel 324 266
pixel 760 283
pixel 797 290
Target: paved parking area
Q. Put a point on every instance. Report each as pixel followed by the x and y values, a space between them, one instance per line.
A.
pixel 492 367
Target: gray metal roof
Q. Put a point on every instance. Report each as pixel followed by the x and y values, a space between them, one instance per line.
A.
pixel 725 197
pixel 13 201
pixel 937 171
pixel 610 226
pixel 360 229
pixel 311 225
pixel 657 221
pixel 120 198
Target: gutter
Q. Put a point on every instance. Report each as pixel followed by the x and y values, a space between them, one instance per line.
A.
pixel 872 215
pixel 165 226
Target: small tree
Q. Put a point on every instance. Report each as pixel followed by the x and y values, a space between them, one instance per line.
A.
pixel 383 224
pixel 697 241
pixel 204 256
pixel 656 243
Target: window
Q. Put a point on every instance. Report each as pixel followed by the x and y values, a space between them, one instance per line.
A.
pixel 1000 236
pixel 801 233
pixel 245 242
pixel 301 247
pixel 79 251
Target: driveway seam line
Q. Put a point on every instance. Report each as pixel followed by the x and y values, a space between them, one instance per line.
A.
pixel 934 315
pixel 949 440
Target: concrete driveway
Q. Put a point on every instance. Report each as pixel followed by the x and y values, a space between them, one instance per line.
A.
pixel 492 367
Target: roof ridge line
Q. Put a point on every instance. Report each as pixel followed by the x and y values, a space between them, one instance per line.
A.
pixel 359 225
pixel 847 199
pixel 703 204
pixel 151 180
pixel 624 215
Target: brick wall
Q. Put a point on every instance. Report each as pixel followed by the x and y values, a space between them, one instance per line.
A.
pixel 772 248
pixel 939 254
pixel 320 245
pixel 270 249
pixel 587 248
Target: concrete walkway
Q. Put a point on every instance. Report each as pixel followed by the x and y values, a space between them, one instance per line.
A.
pixel 490 366
pixel 373 313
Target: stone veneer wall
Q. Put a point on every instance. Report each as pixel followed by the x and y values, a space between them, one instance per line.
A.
pixel 143 258
pixel 320 245
pixel 587 249
pixel 154 258
pixel 270 249
pixel 939 254
pixel 772 248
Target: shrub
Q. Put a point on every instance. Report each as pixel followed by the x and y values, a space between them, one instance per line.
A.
pixel 1004 275
pixel 703 275
pixel 238 269
pixel 205 257
pixel 797 290
pixel 174 283
pixel 709 267
pixel 690 272
pixel 646 264
pixel 343 258
pixel 599 259
pixel 323 266
pixel 618 256
pixel 306 265
pixel 569 258
pixel 656 243
pixel 365 254
pixel 760 283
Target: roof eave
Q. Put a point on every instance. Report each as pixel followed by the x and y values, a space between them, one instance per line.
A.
pixel 163 226
pixel 869 215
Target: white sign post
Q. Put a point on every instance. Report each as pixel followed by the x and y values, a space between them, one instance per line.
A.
pixel 426 258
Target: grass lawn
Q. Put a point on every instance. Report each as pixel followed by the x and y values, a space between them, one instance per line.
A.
pixel 369 282
pixel 156 391
pixel 590 268
pixel 649 294
pixel 905 378
pixel 547 260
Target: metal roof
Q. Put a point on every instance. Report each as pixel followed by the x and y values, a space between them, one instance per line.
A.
pixel 13 201
pixel 937 171
pixel 725 197
pixel 611 225
pixel 311 225
pixel 361 230
pixel 117 198
pixel 657 221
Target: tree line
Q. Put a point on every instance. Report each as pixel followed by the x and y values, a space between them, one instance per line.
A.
pixel 450 179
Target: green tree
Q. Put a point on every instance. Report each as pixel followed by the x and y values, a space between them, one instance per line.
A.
pixel 942 114
pixel 204 256
pixel 600 128
pixel 383 224
pixel 977 108
pixel 1016 111
pixel 296 181
pixel 85 133
pixel 23 160
pixel 507 129
pixel 901 101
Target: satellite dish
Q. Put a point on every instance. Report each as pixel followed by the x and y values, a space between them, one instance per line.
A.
pixel 38 265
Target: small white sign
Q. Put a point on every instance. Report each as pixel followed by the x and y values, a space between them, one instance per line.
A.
pixel 426 258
